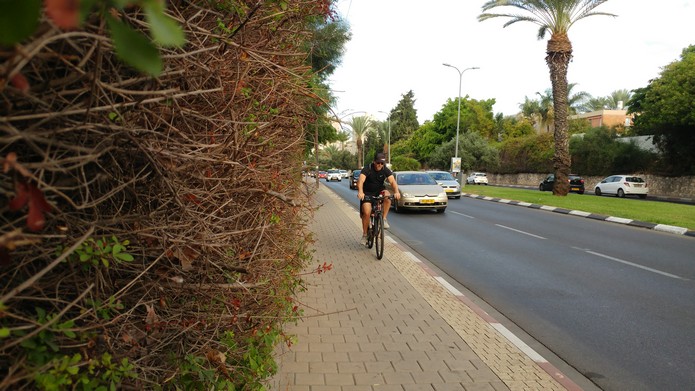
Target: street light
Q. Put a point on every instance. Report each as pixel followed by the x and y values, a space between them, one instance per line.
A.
pixel 388 117
pixel 458 118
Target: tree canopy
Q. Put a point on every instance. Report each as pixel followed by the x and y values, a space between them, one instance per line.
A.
pixel 666 109
pixel 404 118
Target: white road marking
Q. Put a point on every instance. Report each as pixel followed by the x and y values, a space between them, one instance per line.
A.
pixel 519 231
pixel 524 204
pixel 580 213
pixel 532 354
pixel 550 208
pixel 619 220
pixel 461 214
pixel 671 229
pixel 448 286
pixel 649 269
pixel 413 257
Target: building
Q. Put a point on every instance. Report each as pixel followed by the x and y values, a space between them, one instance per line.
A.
pixel 608 118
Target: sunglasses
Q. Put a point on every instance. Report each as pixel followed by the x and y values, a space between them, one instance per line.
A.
pixel 379 163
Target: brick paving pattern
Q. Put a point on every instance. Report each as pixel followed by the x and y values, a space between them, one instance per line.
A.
pixel 389 325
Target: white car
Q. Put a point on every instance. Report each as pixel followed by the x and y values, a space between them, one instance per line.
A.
pixel 334 175
pixel 477 178
pixel 344 173
pixel 622 185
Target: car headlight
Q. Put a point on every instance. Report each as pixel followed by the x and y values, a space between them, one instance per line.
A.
pixel 407 195
pixel 442 194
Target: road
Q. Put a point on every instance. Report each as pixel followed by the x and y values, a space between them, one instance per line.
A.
pixel 617 303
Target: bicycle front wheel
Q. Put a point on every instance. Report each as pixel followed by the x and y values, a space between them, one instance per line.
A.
pixel 379 236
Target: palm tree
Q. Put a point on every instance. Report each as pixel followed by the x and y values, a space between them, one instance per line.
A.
pixel 360 126
pixel 555 17
pixel 618 96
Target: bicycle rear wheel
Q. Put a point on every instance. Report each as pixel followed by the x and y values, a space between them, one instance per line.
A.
pixel 370 233
pixel 379 236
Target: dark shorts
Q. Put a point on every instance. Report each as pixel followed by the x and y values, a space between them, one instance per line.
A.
pixel 367 194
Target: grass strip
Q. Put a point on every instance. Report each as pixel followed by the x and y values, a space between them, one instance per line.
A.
pixel 657 212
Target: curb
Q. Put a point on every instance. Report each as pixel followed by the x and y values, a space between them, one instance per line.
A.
pixel 633 223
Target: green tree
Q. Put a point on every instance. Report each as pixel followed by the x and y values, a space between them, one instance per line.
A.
pixel 666 109
pixel 613 100
pixel 554 17
pixel 360 127
pixel 475 152
pixel 327 44
pixel 403 118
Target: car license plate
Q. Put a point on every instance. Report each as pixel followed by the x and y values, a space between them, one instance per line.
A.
pixel 448 190
pixel 427 201
pixel 574 188
pixel 638 185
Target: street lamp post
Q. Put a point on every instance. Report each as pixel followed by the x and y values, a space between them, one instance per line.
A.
pixel 458 118
pixel 388 118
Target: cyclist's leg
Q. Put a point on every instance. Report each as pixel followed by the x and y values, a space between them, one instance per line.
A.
pixel 387 203
pixel 366 211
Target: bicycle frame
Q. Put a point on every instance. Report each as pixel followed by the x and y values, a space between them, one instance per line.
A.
pixel 375 234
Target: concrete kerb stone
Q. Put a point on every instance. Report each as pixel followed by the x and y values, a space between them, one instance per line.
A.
pixel 619 220
pixel 517 365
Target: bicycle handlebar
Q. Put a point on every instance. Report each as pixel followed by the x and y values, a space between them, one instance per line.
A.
pixel 376 198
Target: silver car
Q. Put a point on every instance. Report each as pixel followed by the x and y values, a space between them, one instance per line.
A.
pixel 447 182
pixel 418 191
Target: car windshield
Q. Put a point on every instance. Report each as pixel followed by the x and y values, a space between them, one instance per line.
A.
pixel 333 172
pixel 479 174
pixel 356 173
pixel 442 176
pixel 415 179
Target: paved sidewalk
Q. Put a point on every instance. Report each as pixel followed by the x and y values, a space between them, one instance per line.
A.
pixel 394 325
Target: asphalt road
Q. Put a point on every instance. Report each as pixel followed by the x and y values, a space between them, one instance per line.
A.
pixel 617 303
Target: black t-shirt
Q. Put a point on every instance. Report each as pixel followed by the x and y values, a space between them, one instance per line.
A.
pixel 374 183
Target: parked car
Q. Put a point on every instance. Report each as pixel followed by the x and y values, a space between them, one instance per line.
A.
pixel 322 174
pixel 622 185
pixel 334 175
pixel 477 178
pixel 447 182
pixel 354 178
pixel 418 191
pixel 576 183
pixel 344 174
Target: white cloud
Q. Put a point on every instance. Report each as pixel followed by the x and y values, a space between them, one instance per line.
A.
pixel 400 45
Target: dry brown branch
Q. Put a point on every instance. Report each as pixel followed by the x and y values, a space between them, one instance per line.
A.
pixel 198 170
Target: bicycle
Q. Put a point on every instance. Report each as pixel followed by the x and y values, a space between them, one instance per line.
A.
pixel 375 233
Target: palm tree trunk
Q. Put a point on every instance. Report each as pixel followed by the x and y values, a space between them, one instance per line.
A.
pixel 559 52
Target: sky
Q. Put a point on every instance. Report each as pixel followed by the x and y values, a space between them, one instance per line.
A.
pixel 400 45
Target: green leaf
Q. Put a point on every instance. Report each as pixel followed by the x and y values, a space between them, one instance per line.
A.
pixel 4 332
pixel 165 30
pixel 18 20
pixel 134 48
pixel 124 257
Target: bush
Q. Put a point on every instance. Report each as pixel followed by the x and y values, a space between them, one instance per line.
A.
pixel 401 163
pixel 599 152
pixel 527 154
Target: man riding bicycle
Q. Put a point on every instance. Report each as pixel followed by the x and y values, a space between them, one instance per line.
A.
pixel 371 183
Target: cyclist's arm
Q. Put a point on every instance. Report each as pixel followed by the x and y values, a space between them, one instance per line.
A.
pixel 394 186
pixel 360 186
